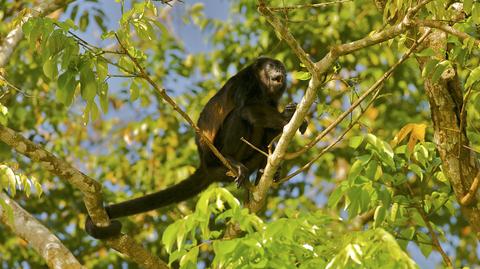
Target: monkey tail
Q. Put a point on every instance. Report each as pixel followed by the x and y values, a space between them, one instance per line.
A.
pixel 187 188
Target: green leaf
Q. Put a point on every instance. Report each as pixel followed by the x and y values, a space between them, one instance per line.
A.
pixel 417 170
pixel 371 169
pixel 134 91
pixel 3 110
pixel 355 141
pixel 429 67
pixel 439 69
pixel 467 6
pixel 50 68
pixel 424 244
pixel 473 77
pixel 440 176
pixel 94 113
pixel 189 260
pixel 37 185
pixel 476 13
pixel 103 96
pixel 102 69
pixel 227 196
pixel 169 236
pixel 74 12
pixel 7 210
pixel 335 197
pixel 355 170
pixel 66 88
pixel 379 216
pixel 301 75
pixel 88 83
pixel 426 53
pixel 393 212
pixel 181 234
pixel 84 20
pixel 225 247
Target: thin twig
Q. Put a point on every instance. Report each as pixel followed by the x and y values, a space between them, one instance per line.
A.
pixel 122 76
pixel 15 87
pixel 254 147
pixel 445 28
pixel 472 149
pixel 285 8
pixel 431 231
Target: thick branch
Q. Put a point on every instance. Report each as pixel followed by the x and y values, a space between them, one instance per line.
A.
pixel 25 226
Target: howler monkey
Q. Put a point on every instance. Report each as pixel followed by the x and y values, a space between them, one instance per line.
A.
pixel 246 106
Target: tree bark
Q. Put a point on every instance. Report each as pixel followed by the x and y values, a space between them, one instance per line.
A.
pixel 460 164
pixel 39 237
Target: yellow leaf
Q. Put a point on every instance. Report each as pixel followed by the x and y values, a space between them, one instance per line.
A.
pixel 416 131
pixel 402 134
pixel 418 134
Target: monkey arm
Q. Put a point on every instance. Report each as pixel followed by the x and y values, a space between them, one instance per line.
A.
pixel 264 116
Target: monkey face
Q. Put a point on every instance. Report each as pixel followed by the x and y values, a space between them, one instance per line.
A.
pixel 272 75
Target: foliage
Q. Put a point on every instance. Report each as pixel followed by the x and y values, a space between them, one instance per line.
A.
pixel 71 87
pixel 312 240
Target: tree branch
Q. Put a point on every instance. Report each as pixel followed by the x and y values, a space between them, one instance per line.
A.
pixel 317 5
pixel 472 191
pixel 25 226
pixel 434 237
pixel 445 28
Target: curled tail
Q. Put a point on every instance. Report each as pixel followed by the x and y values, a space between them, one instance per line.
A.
pixel 177 193
pixel 189 187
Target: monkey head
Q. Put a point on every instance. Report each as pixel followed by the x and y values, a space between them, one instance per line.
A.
pixel 272 75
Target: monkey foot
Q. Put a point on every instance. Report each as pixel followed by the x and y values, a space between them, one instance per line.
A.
pixel 243 173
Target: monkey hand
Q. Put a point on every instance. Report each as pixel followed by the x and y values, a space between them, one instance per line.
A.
pixel 102 232
pixel 288 114
pixel 289 110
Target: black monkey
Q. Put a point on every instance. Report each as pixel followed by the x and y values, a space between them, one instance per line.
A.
pixel 246 106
